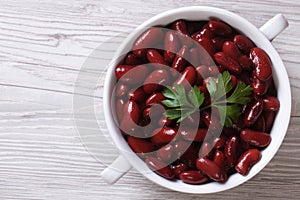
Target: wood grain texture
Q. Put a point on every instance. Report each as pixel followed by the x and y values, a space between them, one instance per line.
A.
pixel 43 45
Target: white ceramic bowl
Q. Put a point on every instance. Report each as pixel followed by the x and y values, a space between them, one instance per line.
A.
pixel 261 37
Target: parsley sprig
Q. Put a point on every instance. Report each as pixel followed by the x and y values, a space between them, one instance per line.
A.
pixel 181 105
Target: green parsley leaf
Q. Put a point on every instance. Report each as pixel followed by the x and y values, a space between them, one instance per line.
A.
pixel 182 105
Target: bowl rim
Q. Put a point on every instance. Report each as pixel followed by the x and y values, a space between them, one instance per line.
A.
pixel 281 121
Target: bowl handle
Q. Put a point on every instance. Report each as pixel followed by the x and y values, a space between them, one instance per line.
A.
pixel 274 26
pixel 116 170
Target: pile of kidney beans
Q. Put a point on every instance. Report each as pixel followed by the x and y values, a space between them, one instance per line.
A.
pixel 161 145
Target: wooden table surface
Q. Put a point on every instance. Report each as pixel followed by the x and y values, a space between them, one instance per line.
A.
pixel 43 45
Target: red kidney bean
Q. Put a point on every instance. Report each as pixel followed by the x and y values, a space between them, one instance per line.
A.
pixel 194 57
pixel 233 81
pixel 202 72
pixel 156 80
pixel 271 104
pixel 269 118
pixel 160 168
pixel 209 168
pixel 230 150
pixel 219 159
pixel 207 46
pixel 210 120
pixel 164 121
pixel 180 62
pixel 153 112
pixel 171 46
pixel 187 77
pixel 219 28
pixel 218 42
pixel 180 147
pixel 205 150
pixel 194 135
pixel 245 62
pixel 121 89
pixel 139 145
pixel 255 138
pixel 229 49
pixel 132 59
pixel 122 69
pixel 260 124
pixel 253 111
pixel 205 32
pixel 137 95
pixel 227 62
pixel 244 43
pixel 130 118
pixel 247 160
pixel 193 177
pixel 120 107
pixel 214 70
pixel 132 75
pixel 154 56
pixel 155 98
pixel 262 64
pixel 165 153
pixel 178 168
pixel 219 142
pixel 163 135
pixel 180 26
pixel 259 87
pixel 147 40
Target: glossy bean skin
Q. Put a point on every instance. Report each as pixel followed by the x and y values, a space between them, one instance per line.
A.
pixel 230 150
pixel 164 121
pixel 137 95
pixel 165 153
pixel 194 57
pixel 131 75
pixel 202 72
pixel 247 160
pixel 180 26
pixel 120 107
pixel 244 43
pixel 219 142
pixel 255 138
pixel 155 98
pixel 230 64
pixel 219 28
pixel 209 168
pixel 160 168
pixel 262 64
pixel 171 46
pixel 147 40
pixel 178 168
pixel 163 135
pixel 193 177
pixel 207 46
pixel 253 112
pixel 121 89
pixel 210 120
pixel 219 159
pixel 154 56
pixel 132 59
pixel 205 32
pixel 245 62
pixel 139 145
pixel 180 62
pixel 231 50
pixel 156 80
pixel 271 103
pixel 193 135
pixel 259 88
pixel 130 118
pixel 218 42
pixel 187 78
pixel 205 150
